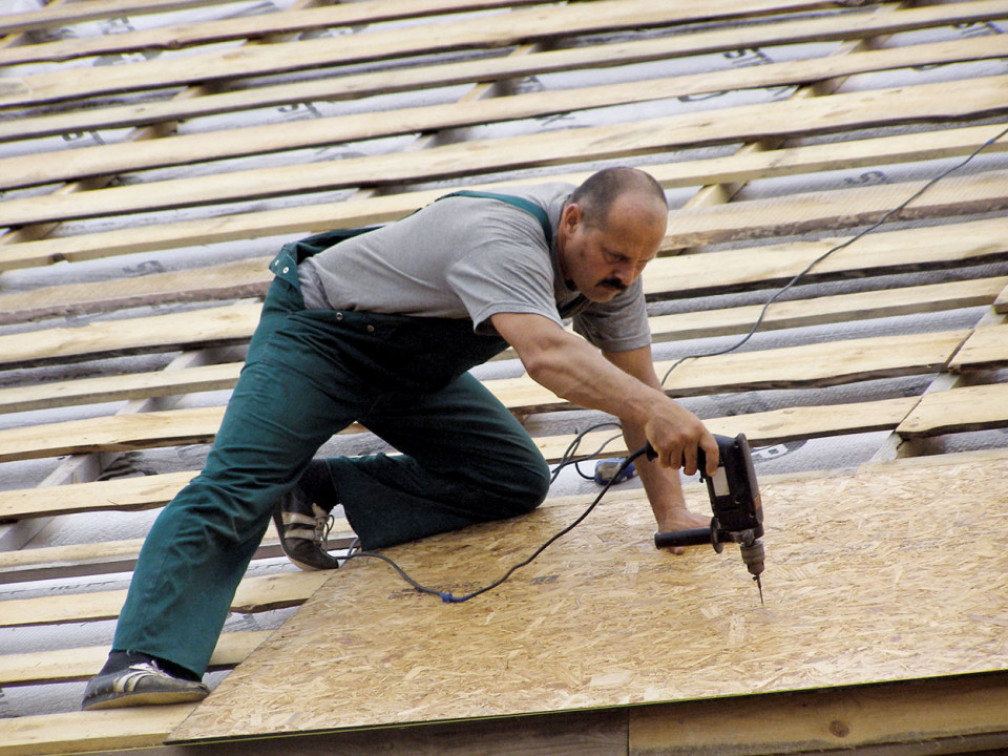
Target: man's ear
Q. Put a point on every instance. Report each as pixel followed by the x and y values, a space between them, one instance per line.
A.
pixel 570 217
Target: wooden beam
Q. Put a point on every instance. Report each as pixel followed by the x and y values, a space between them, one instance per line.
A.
pixel 120 387
pixel 824 364
pixel 81 663
pixel 81 732
pixel 958 410
pixel 1001 303
pixel 290 21
pixel 519 26
pixel 764 428
pixel 154 333
pixel 258 594
pixel 932 716
pixel 86 162
pixel 60 14
pixel 812 365
pixel 418 77
pixel 924 248
pixel 924 102
pixel 126 494
pixel 985 349
pixel 929 145
pixel 234 280
pixel 839 308
pixel 114 433
pixel 820 211
pixel 688 325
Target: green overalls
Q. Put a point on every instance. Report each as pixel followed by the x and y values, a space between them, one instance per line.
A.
pixel 309 374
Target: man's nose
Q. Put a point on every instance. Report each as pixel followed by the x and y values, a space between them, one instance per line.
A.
pixel 625 272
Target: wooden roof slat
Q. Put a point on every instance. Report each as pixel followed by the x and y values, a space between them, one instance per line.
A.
pixel 223 325
pixel 519 26
pixel 182 35
pixel 838 308
pixel 255 594
pixel 958 410
pixel 817 211
pixel 310 218
pixel 233 280
pixel 1001 303
pixel 763 428
pixel 923 248
pixel 891 717
pixel 688 325
pixel 942 714
pixel 118 388
pixel 817 364
pixel 253 278
pixel 84 731
pixel 144 492
pixel 87 162
pixel 986 348
pixel 823 364
pixel 80 663
pixel 811 365
pixel 112 433
pixel 413 78
pixel 60 14
pixel 961 99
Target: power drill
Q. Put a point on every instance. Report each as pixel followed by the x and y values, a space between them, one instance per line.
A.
pixel 735 501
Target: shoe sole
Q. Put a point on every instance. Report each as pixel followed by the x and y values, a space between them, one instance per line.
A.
pixel 147 698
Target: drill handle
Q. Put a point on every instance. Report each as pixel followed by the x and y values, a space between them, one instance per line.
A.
pixel 691 537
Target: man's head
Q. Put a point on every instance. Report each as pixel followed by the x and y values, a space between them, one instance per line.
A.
pixel 610 228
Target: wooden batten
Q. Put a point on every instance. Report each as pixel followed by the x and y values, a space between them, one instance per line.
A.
pixel 143 200
pixel 126 157
pixel 791 367
pixel 254 595
pixel 519 26
pixel 842 111
pixel 351 213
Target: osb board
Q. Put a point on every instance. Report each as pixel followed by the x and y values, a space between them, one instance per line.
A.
pixel 896 573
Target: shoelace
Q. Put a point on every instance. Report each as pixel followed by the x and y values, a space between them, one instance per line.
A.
pixel 323 526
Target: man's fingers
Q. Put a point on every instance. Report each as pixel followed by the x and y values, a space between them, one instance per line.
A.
pixel 710 446
pixel 689 459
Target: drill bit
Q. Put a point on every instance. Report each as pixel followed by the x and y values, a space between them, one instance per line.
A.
pixel 752 555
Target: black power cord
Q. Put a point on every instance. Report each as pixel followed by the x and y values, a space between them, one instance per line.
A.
pixel 449 598
pixel 842 245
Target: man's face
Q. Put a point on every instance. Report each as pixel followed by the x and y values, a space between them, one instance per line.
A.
pixel 604 259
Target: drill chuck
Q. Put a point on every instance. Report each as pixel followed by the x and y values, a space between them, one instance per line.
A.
pixel 752 555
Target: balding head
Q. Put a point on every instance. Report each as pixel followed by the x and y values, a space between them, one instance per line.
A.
pixel 601 190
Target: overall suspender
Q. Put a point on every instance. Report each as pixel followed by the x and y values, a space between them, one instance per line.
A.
pixel 539 214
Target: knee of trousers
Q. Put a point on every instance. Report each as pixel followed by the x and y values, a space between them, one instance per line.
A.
pixel 522 488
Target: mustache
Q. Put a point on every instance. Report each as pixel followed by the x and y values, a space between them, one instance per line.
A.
pixel 612 283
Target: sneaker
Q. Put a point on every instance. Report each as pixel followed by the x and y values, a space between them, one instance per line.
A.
pixel 140 684
pixel 303 527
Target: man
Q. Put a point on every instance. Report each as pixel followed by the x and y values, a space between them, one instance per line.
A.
pixel 381 328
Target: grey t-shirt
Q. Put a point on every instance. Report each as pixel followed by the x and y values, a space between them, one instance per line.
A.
pixel 469 257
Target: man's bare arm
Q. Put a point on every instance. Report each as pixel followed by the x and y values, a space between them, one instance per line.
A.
pixel 574 370
pixel 662 484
